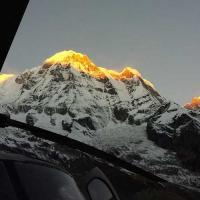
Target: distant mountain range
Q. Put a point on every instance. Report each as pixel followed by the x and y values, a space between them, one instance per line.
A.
pixel 119 112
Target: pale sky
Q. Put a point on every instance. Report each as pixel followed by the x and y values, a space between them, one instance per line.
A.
pixel 160 38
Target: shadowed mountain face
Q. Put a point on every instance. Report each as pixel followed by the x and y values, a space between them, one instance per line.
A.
pixel 119 112
pixel 176 128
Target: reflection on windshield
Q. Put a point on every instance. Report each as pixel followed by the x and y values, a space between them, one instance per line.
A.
pixel 42 182
pixel 98 190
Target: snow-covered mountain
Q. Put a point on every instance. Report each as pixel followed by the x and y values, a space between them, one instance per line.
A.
pixel 114 111
pixel 77 98
pixel 194 104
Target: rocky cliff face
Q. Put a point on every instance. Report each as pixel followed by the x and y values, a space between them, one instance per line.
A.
pixel 178 129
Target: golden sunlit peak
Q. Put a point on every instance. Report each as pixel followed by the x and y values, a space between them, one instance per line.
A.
pixel 4 77
pixel 129 72
pixel 195 103
pixel 67 57
pixel 82 63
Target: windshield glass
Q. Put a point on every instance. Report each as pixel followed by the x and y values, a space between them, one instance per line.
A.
pixel 99 190
pixel 117 75
pixel 40 182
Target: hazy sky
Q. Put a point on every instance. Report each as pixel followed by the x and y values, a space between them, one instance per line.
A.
pixel 161 38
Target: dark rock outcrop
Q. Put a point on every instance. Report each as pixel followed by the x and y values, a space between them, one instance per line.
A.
pixel 86 122
pixel 178 130
pixel 31 119
pixel 120 113
pixel 66 125
pixel 187 144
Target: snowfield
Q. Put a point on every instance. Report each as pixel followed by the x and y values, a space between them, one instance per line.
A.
pixel 131 143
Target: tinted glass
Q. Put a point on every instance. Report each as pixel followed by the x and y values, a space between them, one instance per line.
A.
pixel 6 190
pixel 41 183
pixel 98 190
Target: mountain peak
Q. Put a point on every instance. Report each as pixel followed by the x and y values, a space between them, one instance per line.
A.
pixel 194 104
pixel 83 63
pixel 129 72
pixel 67 57
pixel 4 77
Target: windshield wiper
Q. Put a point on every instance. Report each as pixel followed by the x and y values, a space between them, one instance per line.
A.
pixel 5 121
